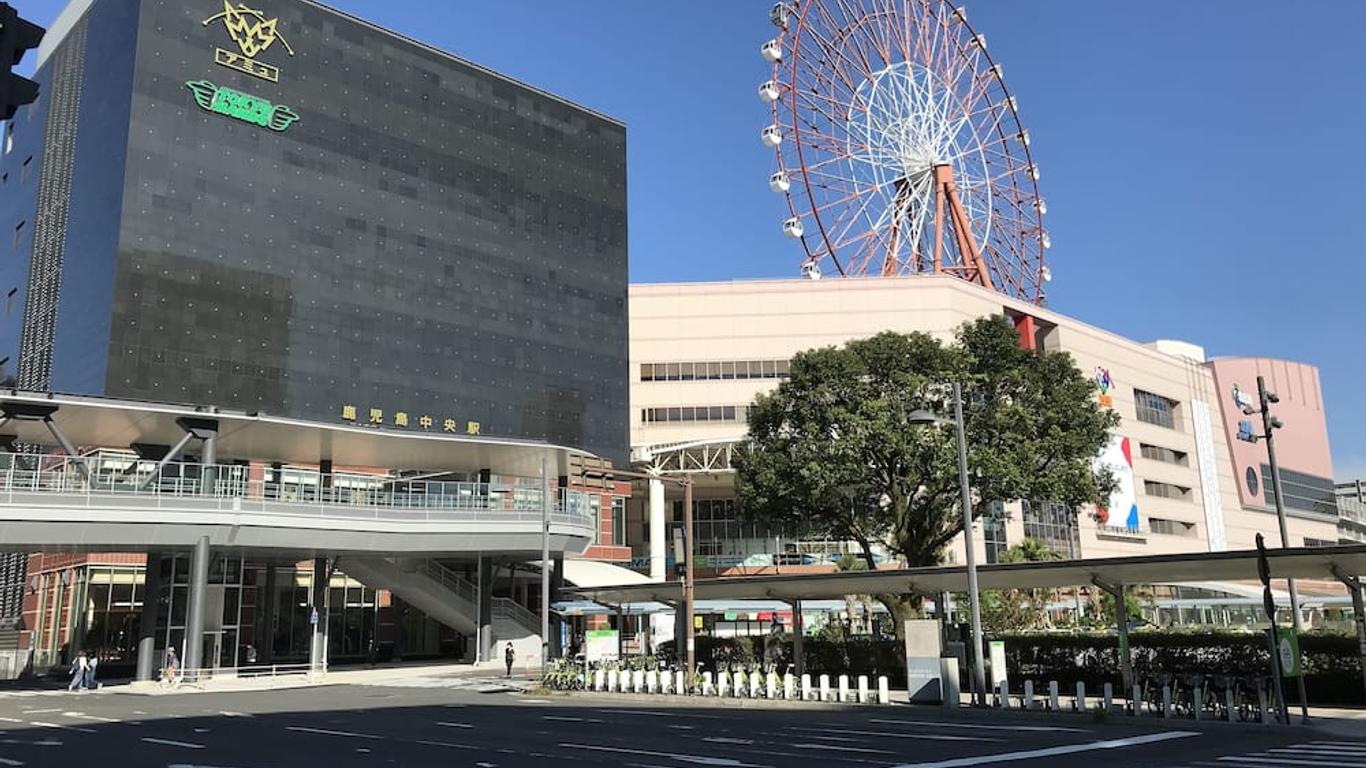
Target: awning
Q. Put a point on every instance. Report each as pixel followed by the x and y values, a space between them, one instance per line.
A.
pixel 588 574
pixel 1316 562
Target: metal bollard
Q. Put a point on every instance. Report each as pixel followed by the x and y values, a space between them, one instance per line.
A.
pixel 755 680
pixel 1053 695
pixel 739 685
pixel 599 679
pixel 806 687
pixel 1028 702
pixel 638 680
pixel 772 685
pixel 884 693
pixel 652 681
pixel 844 688
pixel 706 683
pixel 863 689
pixel 1166 701
pixel 1136 701
pixel 1108 693
pixel 666 679
pixel 722 684
pixel 1003 695
pixel 825 688
pixel 1199 700
pixel 789 686
pixel 1081 696
pixel 612 680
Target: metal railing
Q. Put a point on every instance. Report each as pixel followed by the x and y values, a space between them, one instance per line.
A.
pixel 112 480
pixel 510 610
pixel 451 580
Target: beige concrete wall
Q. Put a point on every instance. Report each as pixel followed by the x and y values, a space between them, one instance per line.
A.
pixel 775 319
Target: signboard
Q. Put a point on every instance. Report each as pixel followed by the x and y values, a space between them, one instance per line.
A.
pixel 923 649
pixel 1122 509
pixel 601 645
pixel 1288 645
pixel 997 652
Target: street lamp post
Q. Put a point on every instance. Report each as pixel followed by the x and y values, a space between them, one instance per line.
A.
pixel 979 684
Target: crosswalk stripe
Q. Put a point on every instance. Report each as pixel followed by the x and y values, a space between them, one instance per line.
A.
pixel 1286 761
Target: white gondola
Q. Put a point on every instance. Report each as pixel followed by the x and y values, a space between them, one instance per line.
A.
pixel 793 227
pixel 1047 274
pixel 1041 206
pixel 811 270
pixel 1046 240
pixel 772 51
pixel 962 12
pixel 1023 137
pixel 1034 172
pixel 772 136
pixel 768 91
pixel 779 182
pixel 778 15
pixel 980 40
pixel 998 71
pixel 1012 104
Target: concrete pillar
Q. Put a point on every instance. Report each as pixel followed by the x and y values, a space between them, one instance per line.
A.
pixel 265 622
pixel 79 609
pixel 659 528
pixel 556 621
pixel 484 651
pixel 147 623
pixel 193 658
pixel 317 602
pixel 208 466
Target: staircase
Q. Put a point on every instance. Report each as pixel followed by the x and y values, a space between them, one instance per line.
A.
pixel 452 600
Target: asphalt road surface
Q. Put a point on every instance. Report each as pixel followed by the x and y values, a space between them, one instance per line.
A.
pixel 378 725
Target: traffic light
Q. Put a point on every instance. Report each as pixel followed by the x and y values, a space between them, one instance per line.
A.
pixel 16 36
pixel 1264 573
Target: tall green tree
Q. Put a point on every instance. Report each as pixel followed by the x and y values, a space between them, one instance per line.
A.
pixel 1012 610
pixel 831 451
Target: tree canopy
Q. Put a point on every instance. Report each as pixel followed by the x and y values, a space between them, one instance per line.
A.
pixel 832 452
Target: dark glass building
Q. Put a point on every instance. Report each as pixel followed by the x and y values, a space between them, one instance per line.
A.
pixel 286 209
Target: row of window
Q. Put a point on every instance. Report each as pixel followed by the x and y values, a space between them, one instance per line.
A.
pixel 1171 527
pixel 695 413
pixel 1155 409
pixel 1166 490
pixel 1302 491
pixel 1165 455
pixel 726 370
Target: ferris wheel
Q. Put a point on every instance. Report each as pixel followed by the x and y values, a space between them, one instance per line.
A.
pixel 899 150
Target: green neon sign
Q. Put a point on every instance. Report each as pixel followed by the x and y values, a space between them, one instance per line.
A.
pixel 241 106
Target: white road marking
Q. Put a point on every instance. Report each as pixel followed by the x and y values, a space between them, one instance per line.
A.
pixel 696 759
pixel 83 716
pixel 1310 749
pixel 41 724
pixel 899 735
pixel 1286 761
pixel 326 732
pixel 39 711
pixel 647 713
pixel 40 743
pixel 570 719
pixel 727 740
pixel 11 719
pixel 939 724
pixel 231 714
pixel 1066 749
pixel 842 748
pixel 444 744
pixel 675 727
pixel 169 743
pixel 455 725
pixel 7 761
pixel 201 730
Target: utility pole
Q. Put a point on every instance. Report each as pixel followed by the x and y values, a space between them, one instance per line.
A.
pixel 1270 424
pixel 689 629
pixel 547 499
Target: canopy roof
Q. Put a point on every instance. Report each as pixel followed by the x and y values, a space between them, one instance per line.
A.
pixel 1317 562
pixel 99 422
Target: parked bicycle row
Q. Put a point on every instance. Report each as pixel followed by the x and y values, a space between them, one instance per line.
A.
pixel 739 683
pixel 1248 699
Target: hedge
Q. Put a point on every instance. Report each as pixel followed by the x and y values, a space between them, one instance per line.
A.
pixel 1331 662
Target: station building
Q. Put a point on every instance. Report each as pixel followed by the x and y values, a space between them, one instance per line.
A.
pixel 279 211
pixel 702 352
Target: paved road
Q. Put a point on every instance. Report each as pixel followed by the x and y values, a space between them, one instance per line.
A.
pixel 455 725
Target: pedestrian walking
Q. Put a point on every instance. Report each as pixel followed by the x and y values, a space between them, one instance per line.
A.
pixel 78 670
pixel 92 662
pixel 509 656
pixel 172 665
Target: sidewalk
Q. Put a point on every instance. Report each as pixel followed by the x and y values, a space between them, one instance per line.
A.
pixel 417 674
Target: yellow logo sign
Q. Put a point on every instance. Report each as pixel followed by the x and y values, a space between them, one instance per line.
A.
pixel 253 33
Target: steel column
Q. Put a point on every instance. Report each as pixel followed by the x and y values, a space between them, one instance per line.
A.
pixel 193 657
pixel 318 606
pixel 147 623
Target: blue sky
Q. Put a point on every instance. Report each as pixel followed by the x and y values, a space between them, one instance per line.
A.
pixel 1200 160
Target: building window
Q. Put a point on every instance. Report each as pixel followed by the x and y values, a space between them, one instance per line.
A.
pixel 994 530
pixel 715 370
pixel 1166 490
pixel 1306 493
pixel 1165 455
pixel 618 521
pixel 23 169
pixel 10 301
pixel 1052 524
pixel 595 512
pixel 720 413
pixel 1171 527
pixel 1155 409
pixel 1308 542
pixel 18 233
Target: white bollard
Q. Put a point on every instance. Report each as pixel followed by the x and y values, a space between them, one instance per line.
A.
pixel 1028 695
pixel 1108 697
pixel 1136 701
pixel 772 692
pixel 789 687
pixel 739 684
pixel 1228 702
pixel 652 681
pixel 1081 696
pixel 1053 696
pixel 1166 701
pixel 1199 701
pixel 1004 695
pixel 706 683
pixel 884 693
pixel 612 680
pixel 806 687
pixel 1261 705
pixel 599 679
pixel 756 682
pixel 666 680
pixel 825 688
pixel 680 683
pixel 722 684
pixel 844 688
pixel 637 680
pixel 863 689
